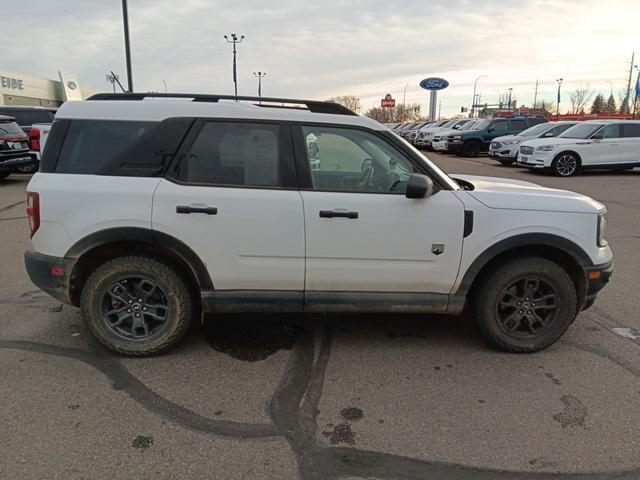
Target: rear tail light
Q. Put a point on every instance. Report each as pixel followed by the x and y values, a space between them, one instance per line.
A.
pixel 33 211
pixel 34 139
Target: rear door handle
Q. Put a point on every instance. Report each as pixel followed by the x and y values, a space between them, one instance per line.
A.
pixel 190 209
pixel 338 214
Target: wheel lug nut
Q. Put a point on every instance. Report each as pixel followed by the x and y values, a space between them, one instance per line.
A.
pixel 529 312
pixel 137 314
pixel 128 310
pixel 130 301
pixel 139 300
pixel 144 309
pixel 519 303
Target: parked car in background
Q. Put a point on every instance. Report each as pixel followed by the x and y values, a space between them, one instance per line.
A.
pixel 505 149
pixel 26 117
pixel 410 135
pixel 439 141
pixel 472 142
pixel 425 135
pixel 594 144
pixel 14 148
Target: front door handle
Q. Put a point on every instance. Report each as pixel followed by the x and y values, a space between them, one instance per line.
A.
pixel 338 214
pixel 190 209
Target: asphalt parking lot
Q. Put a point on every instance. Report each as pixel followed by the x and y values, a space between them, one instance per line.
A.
pixel 384 397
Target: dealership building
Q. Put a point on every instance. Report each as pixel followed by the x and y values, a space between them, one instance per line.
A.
pixel 22 89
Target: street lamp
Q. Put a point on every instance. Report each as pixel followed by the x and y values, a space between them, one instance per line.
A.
pixel 473 104
pixel 165 85
pixel 510 90
pixel 112 78
pixel 559 81
pixel 404 95
pixel 234 40
pixel 260 75
pixel 635 101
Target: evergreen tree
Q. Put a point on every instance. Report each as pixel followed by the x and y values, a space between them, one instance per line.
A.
pixel 599 105
pixel 611 104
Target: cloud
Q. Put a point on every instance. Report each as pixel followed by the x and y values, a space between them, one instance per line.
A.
pixel 319 49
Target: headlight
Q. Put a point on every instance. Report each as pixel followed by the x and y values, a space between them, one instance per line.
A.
pixel 545 148
pixel 512 142
pixel 457 137
pixel 602 223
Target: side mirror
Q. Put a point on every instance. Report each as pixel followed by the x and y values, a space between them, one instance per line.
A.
pixel 597 136
pixel 490 129
pixel 419 186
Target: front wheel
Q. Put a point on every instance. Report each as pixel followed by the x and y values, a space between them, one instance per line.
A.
pixel 525 305
pixel 471 149
pixel 136 305
pixel 565 165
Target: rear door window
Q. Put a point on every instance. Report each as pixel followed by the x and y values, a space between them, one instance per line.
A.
pixel 90 145
pixel 236 154
pixel 500 126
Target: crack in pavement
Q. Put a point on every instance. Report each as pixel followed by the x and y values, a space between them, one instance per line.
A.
pixel 10 206
pixel 122 379
pixel 294 409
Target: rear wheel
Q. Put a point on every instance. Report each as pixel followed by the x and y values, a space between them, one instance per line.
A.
pixel 525 305
pixel 136 305
pixel 565 165
pixel 471 149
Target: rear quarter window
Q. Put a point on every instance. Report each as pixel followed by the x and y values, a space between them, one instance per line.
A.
pixel 91 145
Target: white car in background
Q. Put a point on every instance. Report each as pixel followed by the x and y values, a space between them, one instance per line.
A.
pixel 594 144
pixel 425 135
pixel 439 141
pixel 505 149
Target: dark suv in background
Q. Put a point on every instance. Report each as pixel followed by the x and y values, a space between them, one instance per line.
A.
pixel 471 142
pixel 14 148
pixel 27 116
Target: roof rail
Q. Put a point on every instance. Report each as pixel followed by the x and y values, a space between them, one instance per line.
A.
pixel 315 106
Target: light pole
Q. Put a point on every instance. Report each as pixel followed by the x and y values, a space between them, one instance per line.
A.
pixel 165 85
pixel 127 46
pixel 404 95
pixel 260 75
pixel 559 81
pixel 112 78
pixel 234 40
pixel 473 104
pixel 510 90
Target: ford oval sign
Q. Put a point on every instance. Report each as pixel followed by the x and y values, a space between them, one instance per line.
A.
pixel 434 83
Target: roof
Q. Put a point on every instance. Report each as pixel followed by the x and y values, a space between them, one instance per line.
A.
pixel 159 107
pixel 26 107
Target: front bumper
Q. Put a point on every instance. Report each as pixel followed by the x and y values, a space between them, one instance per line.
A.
pixel 597 277
pixel 41 268
pixel 11 162
pixel 454 147
pixel 504 153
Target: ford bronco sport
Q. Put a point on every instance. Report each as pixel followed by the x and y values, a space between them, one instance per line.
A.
pixel 146 211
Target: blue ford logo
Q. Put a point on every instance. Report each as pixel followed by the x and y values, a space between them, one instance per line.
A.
pixel 434 83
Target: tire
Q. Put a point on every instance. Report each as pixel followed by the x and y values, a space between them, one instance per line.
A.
pixel 117 283
pixel 28 169
pixel 471 149
pixel 565 164
pixel 506 163
pixel 502 324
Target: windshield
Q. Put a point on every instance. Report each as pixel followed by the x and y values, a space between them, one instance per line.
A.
pixel 584 130
pixel 536 130
pixel 450 123
pixel 482 124
pixel 10 128
pixel 469 126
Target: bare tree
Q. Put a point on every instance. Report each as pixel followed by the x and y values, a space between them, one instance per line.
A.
pixel 399 113
pixel 580 98
pixel 350 101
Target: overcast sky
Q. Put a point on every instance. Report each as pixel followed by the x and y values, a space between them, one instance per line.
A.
pixel 331 47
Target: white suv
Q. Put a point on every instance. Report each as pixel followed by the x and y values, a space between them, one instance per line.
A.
pixel 147 210
pixel 594 144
